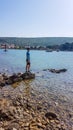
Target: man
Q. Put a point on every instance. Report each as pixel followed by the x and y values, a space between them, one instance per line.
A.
pixel 28 60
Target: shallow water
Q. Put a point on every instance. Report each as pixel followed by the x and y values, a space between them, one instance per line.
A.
pixel 15 60
pixel 54 92
pixel 60 86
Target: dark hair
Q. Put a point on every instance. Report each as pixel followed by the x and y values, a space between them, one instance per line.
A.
pixel 28 49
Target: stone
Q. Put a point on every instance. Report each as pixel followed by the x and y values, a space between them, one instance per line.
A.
pixel 13 126
pixel 8 80
pixel 57 71
pixel 2 83
pixel 14 129
pixel 51 115
pixel 28 75
pixel 39 108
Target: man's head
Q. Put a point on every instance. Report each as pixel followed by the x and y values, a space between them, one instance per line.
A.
pixel 28 49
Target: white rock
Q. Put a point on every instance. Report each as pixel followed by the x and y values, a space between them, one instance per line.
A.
pixel 14 129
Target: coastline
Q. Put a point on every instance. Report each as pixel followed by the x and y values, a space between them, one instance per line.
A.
pixel 29 105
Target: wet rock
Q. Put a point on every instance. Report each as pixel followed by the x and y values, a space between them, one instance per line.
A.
pixel 9 81
pixel 44 69
pixel 4 79
pixel 51 115
pixel 57 71
pixel 13 76
pixel 28 75
pixel 2 83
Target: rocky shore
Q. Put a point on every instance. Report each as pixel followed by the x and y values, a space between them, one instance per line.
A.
pixel 26 108
pixel 22 114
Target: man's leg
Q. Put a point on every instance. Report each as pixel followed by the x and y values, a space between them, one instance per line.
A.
pixel 29 67
pixel 26 67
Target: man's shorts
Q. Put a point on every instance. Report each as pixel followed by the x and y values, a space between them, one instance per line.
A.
pixel 28 62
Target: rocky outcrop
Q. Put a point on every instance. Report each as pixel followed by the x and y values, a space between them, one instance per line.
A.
pixel 6 80
pixel 56 70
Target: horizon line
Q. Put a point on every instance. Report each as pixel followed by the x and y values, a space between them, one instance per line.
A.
pixel 37 37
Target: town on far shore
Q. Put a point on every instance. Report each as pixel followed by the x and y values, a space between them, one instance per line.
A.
pixel 48 48
pixel 13 46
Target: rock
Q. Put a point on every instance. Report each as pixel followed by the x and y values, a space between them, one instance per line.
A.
pixel 39 125
pixel 4 110
pixel 9 81
pixel 13 126
pixel 44 69
pixel 57 71
pixel 2 83
pixel 3 116
pixel 51 115
pixel 15 78
pixel 5 77
pixel 39 107
pixel 28 75
pixel 1 77
pixel 14 129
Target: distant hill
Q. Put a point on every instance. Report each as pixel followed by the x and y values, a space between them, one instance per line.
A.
pixel 41 41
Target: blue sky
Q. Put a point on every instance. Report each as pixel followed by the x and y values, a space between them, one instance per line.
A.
pixel 36 18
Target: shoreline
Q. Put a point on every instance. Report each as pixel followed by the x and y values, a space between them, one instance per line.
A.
pixel 17 77
pixel 28 105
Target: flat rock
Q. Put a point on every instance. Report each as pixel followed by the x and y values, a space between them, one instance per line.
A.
pixel 7 80
pixel 57 71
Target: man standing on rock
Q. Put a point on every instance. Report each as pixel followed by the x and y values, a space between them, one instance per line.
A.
pixel 28 60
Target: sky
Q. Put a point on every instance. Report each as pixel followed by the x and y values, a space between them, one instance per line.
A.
pixel 36 18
